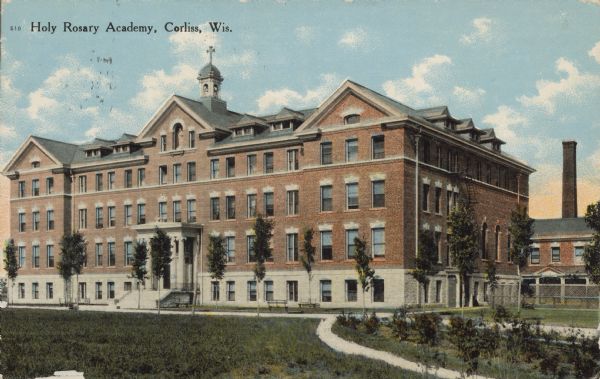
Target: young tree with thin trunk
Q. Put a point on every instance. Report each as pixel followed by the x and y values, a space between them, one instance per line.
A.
pixel 462 239
pixel 308 257
pixel 217 258
pixel 365 273
pixel 263 231
pixel 160 251
pixel 72 260
pixel 521 232
pixel 11 264
pixel 426 263
pixel 492 279
pixel 138 266
pixel 591 254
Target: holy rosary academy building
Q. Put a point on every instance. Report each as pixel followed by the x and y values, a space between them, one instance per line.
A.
pixel 359 164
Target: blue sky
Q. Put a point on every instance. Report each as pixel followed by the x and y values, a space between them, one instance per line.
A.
pixel 529 69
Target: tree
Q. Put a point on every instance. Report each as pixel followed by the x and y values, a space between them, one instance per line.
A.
pixel 492 279
pixel 11 265
pixel 138 266
pixel 521 232
pixel 425 262
pixel 263 232
pixel 308 256
pixel 365 273
pixel 591 254
pixel 462 239
pixel 160 251
pixel 72 260
pixel 217 258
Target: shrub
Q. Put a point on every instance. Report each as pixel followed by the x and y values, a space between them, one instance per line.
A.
pixel 400 324
pixel 551 365
pixel 348 320
pixel 523 341
pixel 489 340
pixel 501 314
pixel 464 336
pixel 371 323
pixel 583 354
pixel 427 326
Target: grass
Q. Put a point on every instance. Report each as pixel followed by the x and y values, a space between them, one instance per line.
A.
pixel 110 345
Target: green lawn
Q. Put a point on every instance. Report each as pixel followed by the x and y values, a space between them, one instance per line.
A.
pixel 38 342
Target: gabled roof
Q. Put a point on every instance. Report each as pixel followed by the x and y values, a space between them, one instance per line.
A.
pixel 560 226
pixel 490 136
pixel 288 114
pixel 60 152
pixel 434 112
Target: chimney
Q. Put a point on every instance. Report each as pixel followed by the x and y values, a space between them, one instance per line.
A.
pixel 569 189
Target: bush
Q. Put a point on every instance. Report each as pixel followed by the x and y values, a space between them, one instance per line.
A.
pixel 371 323
pixel 523 341
pixel 583 354
pixel 400 324
pixel 489 340
pixel 501 314
pixel 427 326
pixel 551 365
pixel 464 336
pixel 348 320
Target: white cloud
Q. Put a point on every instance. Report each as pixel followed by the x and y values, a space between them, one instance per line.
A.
pixel 482 32
pixel 418 90
pixel 191 47
pixel 594 2
pixel 468 95
pixel 305 34
pixel 7 131
pixel 272 100
pixel 354 38
pixel 574 88
pixel 158 85
pixel 595 51
pixel 504 122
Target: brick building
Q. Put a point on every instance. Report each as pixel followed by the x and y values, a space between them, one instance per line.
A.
pixel 346 169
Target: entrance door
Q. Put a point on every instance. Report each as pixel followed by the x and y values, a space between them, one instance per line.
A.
pixel 167 278
pixel 82 294
pixel 452 291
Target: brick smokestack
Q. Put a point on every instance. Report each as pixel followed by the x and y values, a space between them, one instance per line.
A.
pixel 569 189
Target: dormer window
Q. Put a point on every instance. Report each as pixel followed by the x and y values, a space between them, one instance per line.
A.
pixel 245 131
pixel 352 119
pixel 35 164
pixel 92 153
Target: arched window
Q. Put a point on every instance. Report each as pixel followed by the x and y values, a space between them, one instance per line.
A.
pixel 177 135
pixel 352 119
pixel 484 241
pixel 497 242
pixel 205 88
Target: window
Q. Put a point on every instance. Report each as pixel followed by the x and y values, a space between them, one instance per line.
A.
pixel 99 182
pixel 162 175
pixel 438 291
pixel 250 248
pixel 326 246
pixel 98 254
pixel 555 254
pixel 438 200
pixel 128 178
pixel 292 247
pixel 292 160
pixel 497 242
pixel 448 201
pixel 21 189
pixel 268 162
pixel 488 174
pixel 22 223
pixel 268 290
pixel 177 211
pixel 378 194
pixel 127 286
pixel 35 256
pixel 111 217
pixel 98 290
pixel 162 211
pixel 251 164
pixel 163 143
pixel 352 119
pixel 230 291
pixel 269 204
pixel 352 150
pixel 230 249
pixel 36 221
pixel 49 290
pixel 378 290
pixel 214 168
pixel 214 291
pixel 35 291
pixel 141 214
pixel 230 207
pixel 82 218
pixel 378 238
pixel 292 202
pixel 110 290
pixel 50 219
pixel 326 291
pixel 177 173
pixel 49 186
pixel 326 198
pixel 191 211
pixel 128 247
pixel 99 218
pixel 35 187
pixel 292 290
pixel 425 198
pixel 378 147
pixel 191 139
pixel 508 243
pixel 351 234
pixel 111 254
pixel 484 241
pixel 21 290
pixel 326 153
pixel 21 256
pixel 111 180
pixel 579 254
pixel 214 208
pixel 535 256
pixel 251 290
pixel 49 256
pixel 128 216
pixel 251 201
pixel 35 164
pixel 82 184
pixel 352 196
pixel 141 177
pixel 230 167
pixel 351 290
